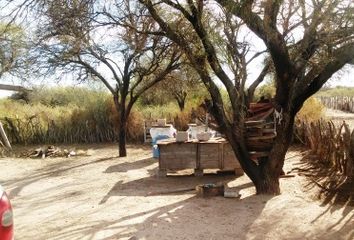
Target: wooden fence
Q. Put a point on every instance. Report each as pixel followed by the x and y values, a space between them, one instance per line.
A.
pixel 334 145
pixel 345 104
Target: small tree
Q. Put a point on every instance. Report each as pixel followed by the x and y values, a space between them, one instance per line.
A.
pixel 308 41
pixel 107 43
pixel 181 84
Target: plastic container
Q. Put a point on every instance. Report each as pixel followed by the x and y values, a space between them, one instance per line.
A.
pixel 181 136
pixel 203 136
pixel 161 122
pixel 155 148
pixel 231 194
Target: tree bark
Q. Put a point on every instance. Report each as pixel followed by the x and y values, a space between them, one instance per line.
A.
pixel 268 184
pixel 123 115
pixel 181 99
pixel 122 137
pixel 272 168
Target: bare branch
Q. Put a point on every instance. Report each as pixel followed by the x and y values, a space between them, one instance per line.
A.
pixel 255 84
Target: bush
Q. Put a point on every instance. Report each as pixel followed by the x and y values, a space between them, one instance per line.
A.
pixel 171 112
pixel 312 110
pixel 267 90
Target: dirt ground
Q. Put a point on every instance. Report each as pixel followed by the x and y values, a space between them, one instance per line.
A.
pixel 105 197
pixel 338 117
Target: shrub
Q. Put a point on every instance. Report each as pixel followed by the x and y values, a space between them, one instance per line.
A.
pixel 312 110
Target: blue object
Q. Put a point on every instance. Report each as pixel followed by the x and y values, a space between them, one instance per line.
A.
pixel 155 148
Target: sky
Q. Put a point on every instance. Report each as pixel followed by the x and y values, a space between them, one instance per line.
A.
pixel 343 78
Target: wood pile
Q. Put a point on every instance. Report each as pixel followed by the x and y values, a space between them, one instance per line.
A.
pixel 260 130
pixel 334 145
pixel 210 190
pixel 52 151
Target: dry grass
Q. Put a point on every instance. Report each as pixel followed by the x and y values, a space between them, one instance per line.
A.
pixel 77 115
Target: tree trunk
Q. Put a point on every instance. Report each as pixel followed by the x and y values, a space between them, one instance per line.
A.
pixel 268 184
pixel 272 168
pixel 123 115
pixel 181 99
pixel 265 175
pixel 181 105
pixel 122 137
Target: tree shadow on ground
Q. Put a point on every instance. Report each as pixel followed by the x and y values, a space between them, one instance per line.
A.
pixel 127 166
pixel 56 169
pixel 192 218
pixel 173 221
pixel 153 185
pixel 336 192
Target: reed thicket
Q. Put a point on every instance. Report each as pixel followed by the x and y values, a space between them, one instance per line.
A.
pixel 76 115
pixel 81 115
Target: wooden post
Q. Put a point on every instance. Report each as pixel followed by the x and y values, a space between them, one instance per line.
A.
pixel 12 88
pixel 4 137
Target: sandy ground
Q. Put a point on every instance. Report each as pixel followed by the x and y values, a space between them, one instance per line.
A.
pixel 105 197
pixel 338 117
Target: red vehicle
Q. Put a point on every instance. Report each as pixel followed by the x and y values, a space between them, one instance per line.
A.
pixel 6 217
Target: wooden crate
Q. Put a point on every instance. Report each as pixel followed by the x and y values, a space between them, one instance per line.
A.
pixel 230 161
pixel 210 155
pixel 178 156
pixel 213 154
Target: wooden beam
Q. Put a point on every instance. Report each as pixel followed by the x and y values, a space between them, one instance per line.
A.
pixel 4 137
pixel 12 88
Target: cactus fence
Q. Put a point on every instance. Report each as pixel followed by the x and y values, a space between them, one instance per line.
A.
pixel 333 145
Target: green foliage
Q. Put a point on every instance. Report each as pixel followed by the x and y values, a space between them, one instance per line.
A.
pixel 159 111
pixel 12 46
pixel 267 90
pixel 171 112
pixel 63 96
pixel 165 92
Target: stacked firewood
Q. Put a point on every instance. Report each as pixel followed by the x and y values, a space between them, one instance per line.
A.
pixel 52 151
pixel 259 128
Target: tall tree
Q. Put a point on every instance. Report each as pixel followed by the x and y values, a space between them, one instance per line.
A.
pixel 308 41
pixel 107 42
